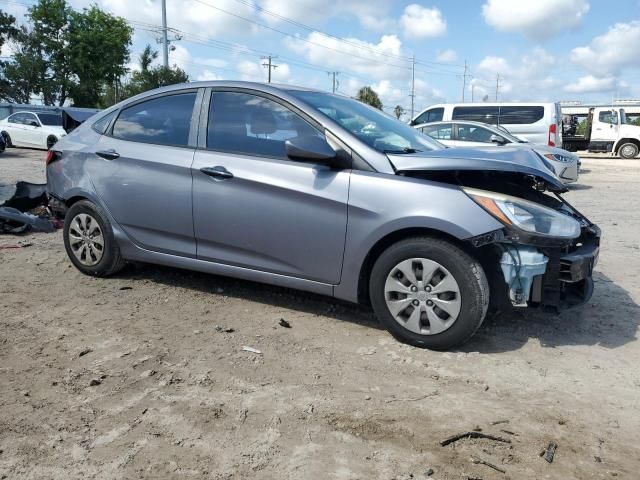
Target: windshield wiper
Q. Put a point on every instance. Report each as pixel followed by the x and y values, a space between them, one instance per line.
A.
pixel 404 150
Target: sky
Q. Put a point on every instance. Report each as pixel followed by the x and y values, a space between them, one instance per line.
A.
pixel 542 50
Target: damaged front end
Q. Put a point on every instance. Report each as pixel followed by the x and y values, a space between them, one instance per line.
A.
pixel 546 251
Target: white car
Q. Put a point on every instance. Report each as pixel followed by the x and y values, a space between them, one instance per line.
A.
pixel 475 134
pixel 31 129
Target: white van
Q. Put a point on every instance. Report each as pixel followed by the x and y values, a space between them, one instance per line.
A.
pixel 534 122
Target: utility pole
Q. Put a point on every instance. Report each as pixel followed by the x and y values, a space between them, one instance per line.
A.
pixel 335 80
pixel 473 87
pixel 165 40
pixel 269 66
pixel 413 84
pixel 464 80
pixel 497 85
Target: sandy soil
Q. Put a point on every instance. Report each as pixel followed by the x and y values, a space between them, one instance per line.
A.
pixel 143 375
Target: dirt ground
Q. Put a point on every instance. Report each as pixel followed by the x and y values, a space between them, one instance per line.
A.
pixel 143 375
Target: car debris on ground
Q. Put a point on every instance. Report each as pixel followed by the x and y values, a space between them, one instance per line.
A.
pixel 24 208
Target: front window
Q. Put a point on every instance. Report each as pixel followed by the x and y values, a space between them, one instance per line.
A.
pixel 473 133
pixel 623 116
pixel 52 119
pixel 371 126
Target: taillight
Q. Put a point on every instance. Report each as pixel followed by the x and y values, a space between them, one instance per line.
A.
pixel 553 129
pixel 52 156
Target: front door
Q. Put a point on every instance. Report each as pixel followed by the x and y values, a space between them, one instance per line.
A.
pixel 141 169
pixel 605 126
pixel 253 207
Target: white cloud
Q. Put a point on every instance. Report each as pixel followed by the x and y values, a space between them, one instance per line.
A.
pixel 612 52
pixel 537 19
pixel 447 56
pixel 534 75
pixel 180 57
pixel 422 22
pixel 591 84
pixel 372 14
pixel 371 59
pixel 208 75
pixel 184 15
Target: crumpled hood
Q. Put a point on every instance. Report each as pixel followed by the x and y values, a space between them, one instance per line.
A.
pixel 505 159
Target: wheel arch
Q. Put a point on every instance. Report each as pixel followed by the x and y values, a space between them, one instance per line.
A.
pixel 622 141
pixel 396 236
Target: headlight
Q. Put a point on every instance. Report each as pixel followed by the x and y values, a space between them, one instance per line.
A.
pixel 559 158
pixel 525 215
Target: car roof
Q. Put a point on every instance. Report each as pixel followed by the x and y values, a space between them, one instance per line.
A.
pixel 468 122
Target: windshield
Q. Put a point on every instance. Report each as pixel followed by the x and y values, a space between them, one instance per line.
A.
pixel 373 127
pixel 50 119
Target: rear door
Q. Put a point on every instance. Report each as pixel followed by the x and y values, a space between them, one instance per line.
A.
pixel 254 207
pixel 16 128
pixel 443 132
pixel 141 169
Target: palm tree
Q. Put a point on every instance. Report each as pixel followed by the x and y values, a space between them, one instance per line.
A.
pixel 398 111
pixel 370 97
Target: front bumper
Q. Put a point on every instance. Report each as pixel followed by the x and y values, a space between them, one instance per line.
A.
pixel 568 280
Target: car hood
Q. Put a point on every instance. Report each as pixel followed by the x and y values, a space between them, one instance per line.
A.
pixel 507 159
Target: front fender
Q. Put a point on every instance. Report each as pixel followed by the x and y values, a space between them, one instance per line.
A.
pixel 382 204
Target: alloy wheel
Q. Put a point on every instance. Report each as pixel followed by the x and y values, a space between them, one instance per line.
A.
pixel 86 239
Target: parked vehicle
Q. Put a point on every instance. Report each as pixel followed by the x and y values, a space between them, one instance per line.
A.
pixel 32 129
pixel 475 134
pixel 319 192
pixel 3 144
pixel 606 130
pixel 534 122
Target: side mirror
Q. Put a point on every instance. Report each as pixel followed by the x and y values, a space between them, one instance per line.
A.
pixel 33 123
pixel 310 147
pixel 497 139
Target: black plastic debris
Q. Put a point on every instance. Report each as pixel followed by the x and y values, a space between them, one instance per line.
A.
pixel 23 208
pixel 14 221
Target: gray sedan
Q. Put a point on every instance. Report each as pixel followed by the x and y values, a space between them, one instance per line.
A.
pixel 318 192
pixel 465 134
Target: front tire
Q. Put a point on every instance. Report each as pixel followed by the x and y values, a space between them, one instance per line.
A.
pixel 89 240
pixel 7 139
pixel 628 150
pixel 429 293
pixel 51 141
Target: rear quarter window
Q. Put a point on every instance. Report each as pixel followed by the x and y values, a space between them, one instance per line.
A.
pixel 522 115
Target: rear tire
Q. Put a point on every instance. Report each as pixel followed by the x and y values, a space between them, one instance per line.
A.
pixel 628 150
pixel 467 288
pixel 86 226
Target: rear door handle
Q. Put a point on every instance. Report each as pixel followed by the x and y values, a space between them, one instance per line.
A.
pixel 110 154
pixel 217 172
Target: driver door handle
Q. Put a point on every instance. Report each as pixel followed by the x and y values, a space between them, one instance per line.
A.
pixel 217 172
pixel 110 154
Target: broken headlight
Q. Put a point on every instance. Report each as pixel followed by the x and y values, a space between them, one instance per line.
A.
pixel 525 215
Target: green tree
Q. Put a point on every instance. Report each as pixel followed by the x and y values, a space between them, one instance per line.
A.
pixel 398 111
pixel 370 97
pixel 149 77
pixel 66 54
pixel 8 33
pixel 581 129
pixel 98 51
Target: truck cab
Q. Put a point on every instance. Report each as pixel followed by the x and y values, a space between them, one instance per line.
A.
pixel 606 131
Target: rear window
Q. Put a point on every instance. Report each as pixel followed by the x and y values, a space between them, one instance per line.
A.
pixel 476 114
pixel 521 115
pixel 54 119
